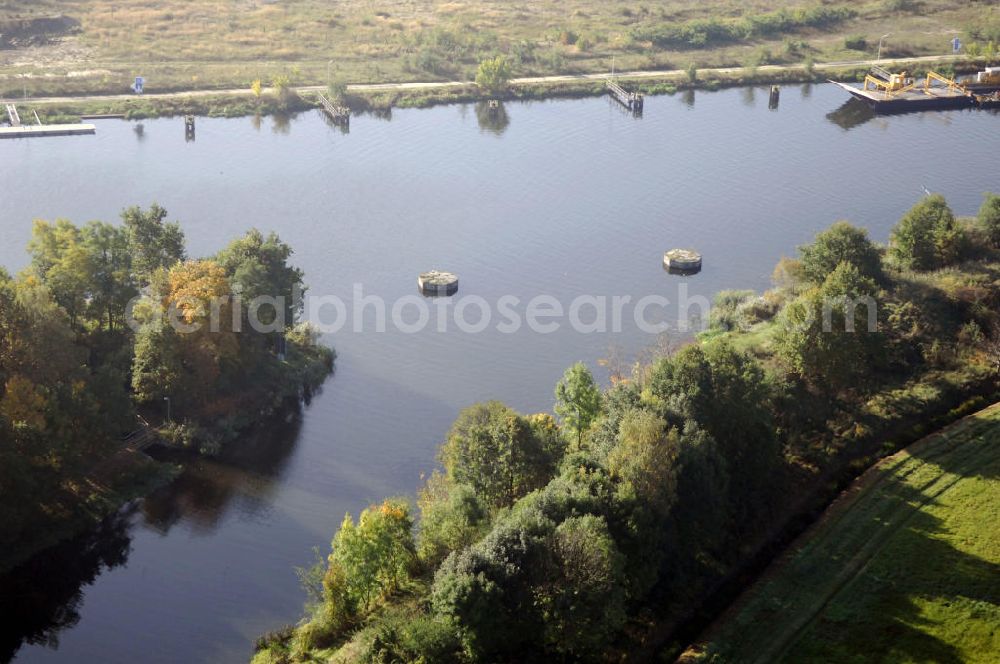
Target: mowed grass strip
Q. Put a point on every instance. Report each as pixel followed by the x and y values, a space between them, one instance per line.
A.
pixel 904 568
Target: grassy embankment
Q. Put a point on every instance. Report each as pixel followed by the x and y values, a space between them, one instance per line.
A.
pixel 905 566
pixel 219 45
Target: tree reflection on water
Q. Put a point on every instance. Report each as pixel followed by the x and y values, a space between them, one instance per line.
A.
pixel 492 119
pixel 42 597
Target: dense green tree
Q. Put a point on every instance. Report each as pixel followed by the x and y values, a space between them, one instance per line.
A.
pixel 88 270
pixel 723 390
pixel 619 400
pixel 451 517
pixel 645 459
pixel 487 592
pixel 578 400
pixel 548 578
pixel 989 217
pixel 494 450
pixel 257 266
pixel 819 337
pixel 155 243
pixel 61 260
pixel 493 74
pixel 838 244
pixel 582 595
pixel 374 557
pixel 112 282
pixel 701 511
pixel 726 394
pixel 927 237
pixel 157 365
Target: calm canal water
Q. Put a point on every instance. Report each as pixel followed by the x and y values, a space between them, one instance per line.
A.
pixel 564 198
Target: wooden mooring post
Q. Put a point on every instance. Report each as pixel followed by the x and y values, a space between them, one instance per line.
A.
pixel 339 114
pixel 630 100
pixel 775 97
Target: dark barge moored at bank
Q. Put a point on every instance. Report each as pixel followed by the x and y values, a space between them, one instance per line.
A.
pixel 886 92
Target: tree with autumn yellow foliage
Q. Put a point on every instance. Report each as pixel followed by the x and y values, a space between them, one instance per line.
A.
pixel 183 350
pixel 197 292
pixel 23 403
pixel 199 347
pixel 370 560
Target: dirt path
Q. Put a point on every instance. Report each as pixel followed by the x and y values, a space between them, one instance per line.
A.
pixel 539 80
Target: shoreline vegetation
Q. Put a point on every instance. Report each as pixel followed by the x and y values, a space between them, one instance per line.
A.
pixel 70 47
pixel 90 362
pixel 286 98
pixel 421 53
pixel 617 529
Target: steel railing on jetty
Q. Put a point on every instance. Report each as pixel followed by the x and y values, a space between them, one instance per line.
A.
pixel 143 437
pixel 15 119
pixel 339 114
pixel 630 100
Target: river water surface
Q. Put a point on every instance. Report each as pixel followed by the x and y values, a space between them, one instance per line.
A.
pixel 563 198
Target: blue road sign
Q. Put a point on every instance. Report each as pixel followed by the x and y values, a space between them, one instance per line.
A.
pixel 956 45
pixel 139 82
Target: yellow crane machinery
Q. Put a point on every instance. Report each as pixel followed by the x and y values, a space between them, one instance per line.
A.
pixel 882 80
pixel 933 76
pixel 895 93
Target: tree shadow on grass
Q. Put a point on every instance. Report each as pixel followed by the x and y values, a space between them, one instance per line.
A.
pixel 919 598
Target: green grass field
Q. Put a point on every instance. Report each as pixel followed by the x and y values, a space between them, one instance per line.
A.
pixel 216 44
pixel 904 568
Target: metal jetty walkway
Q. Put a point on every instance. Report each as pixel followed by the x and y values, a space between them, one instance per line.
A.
pixel 142 438
pixel 338 114
pixel 630 100
pixel 18 130
pixel 15 119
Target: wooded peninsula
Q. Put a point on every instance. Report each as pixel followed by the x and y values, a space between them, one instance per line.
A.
pixel 89 355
